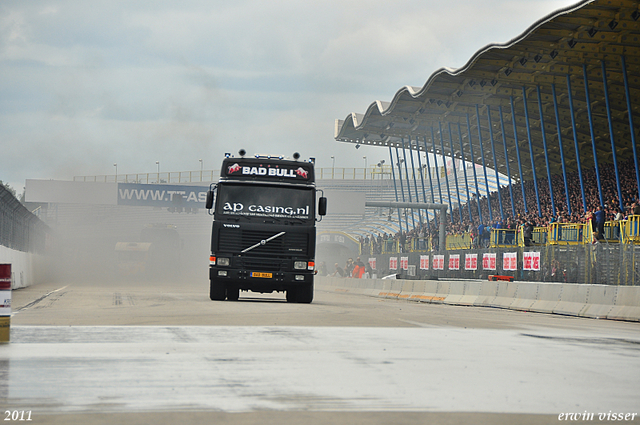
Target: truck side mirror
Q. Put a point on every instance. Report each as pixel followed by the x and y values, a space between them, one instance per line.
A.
pixel 209 203
pixel 322 206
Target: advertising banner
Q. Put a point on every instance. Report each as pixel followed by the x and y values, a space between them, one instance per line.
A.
pixel 5 302
pixel 454 262
pixel 510 261
pixel 489 261
pixel 393 263
pixel 372 263
pixel 424 262
pixel 404 263
pixel 438 262
pixel 531 261
pixel 471 261
pixel 162 195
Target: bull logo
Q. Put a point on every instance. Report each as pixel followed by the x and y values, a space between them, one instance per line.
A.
pixel 302 172
pixel 234 168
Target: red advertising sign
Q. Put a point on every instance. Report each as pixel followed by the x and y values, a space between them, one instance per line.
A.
pixel 5 276
pixel 531 261
pixel 372 263
pixel 393 263
pixel 424 262
pixel 489 261
pixel 404 263
pixel 438 262
pixel 454 262
pixel 510 261
pixel 471 261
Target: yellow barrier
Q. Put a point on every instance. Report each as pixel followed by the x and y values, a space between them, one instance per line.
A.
pixel 419 244
pixel 567 234
pixel 626 231
pixel 630 229
pixel 504 238
pixel 459 241
pixel 390 246
pixel 539 236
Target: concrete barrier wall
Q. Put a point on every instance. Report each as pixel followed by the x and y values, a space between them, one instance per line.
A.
pixel 584 300
pixel 23 266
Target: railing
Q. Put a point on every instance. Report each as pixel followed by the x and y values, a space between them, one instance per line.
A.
pixel 569 233
pixel 459 241
pixel 390 246
pixel 503 238
pixel 327 173
pixel 554 234
pixel 630 229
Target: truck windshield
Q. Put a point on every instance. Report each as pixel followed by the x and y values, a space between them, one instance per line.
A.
pixel 265 201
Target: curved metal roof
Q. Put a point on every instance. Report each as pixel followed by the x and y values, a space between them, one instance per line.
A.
pixel 591 37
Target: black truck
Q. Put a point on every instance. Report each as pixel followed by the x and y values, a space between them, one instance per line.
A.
pixel 264 234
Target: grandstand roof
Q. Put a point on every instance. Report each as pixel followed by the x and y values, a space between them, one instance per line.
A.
pixel 591 36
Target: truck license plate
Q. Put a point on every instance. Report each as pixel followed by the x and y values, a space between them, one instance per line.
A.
pixel 260 274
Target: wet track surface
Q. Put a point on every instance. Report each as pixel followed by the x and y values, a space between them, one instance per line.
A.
pixel 81 350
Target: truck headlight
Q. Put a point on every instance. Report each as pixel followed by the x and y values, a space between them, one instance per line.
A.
pixel 223 261
pixel 300 265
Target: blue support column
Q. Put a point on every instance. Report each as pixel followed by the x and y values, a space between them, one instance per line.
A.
pixel 406 169
pixel 575 141
pixel 435 165
pixel 446 175
pixel 464 168
pixel 424 192
pixel 506 159
pixel 564 167
pixel 546 155
pixel 473 161
pixel 533 165
pixel 611 135
pixel 400 173
pixel 495 162
pixel 415 182
pixel 631 127
pixel 593 137
pixel 484 167
pixel 426 157
pixel 515 141
pixel 401 187
pixel 395 187
pixel 455 173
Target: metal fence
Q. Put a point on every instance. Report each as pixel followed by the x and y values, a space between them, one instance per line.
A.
pixel 20 229
pixel 609 264
pixel 326 173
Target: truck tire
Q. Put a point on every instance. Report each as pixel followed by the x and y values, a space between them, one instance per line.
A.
pixel 291 295
pixel 304 294
pixel 300 294
pixel 217 291
pixel 233 294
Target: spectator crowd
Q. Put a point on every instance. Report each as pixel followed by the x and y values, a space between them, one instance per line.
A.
pixel 469 220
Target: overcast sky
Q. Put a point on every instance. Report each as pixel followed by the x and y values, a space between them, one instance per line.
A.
pixel 86 84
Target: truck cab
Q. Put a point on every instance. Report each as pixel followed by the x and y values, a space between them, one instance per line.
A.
pixel 263 236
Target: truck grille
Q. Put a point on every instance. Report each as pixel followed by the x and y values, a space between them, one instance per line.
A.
pixel 262 264
pixel 287 245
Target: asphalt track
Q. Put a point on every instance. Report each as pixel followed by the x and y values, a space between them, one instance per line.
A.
pixel 147 352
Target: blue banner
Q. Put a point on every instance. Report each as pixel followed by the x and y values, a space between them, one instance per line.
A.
pixel 162 195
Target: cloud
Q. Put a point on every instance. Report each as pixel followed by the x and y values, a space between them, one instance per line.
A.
pixel 85 85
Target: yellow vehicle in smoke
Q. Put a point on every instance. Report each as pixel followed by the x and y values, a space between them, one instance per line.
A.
pixel 157 253
pixel 133 258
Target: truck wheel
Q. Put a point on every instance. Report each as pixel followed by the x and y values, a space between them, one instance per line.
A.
pixel 304 294
pixel 233 294
pixel 291 295
pixel 217 291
